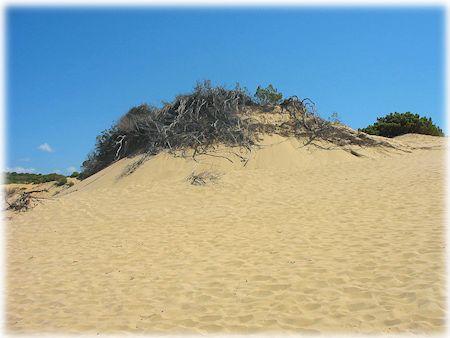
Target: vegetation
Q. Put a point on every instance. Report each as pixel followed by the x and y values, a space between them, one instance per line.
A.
pixel 61 181
pixel 268 96
pixel 334 118
pixel 197 120
pixel 75 174
pixel 396 124
pixel 24 178
pixel 206 117
pixel 24 200
pixel 202 178
pixel 9 192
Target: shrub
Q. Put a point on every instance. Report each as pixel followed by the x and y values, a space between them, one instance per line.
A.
pixel 269 95
pixel 25 178
pixel 70 184
pixel 206 116
pixel 75 174
pixel 202 178
pixel 396 124
pixel 9 192
pixel 61 181
pixel 335 119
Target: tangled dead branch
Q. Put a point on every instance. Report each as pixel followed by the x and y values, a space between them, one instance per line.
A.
pixel 131 168
pixel 305 122
pixel 202 178
pixel 198 120
pixel 24 201
pixel 205 118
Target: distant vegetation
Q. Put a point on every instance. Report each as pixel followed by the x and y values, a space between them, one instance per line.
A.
pixel 75 174
pixel 396 124
pixel 61 181
pixel 24 178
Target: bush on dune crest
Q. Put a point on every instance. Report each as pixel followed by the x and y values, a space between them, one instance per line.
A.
pixel 61 181
pixel 268 96
pixel 206 116
pixel 214 115
pixel 75 174
pixel 198 120
pixel 396 124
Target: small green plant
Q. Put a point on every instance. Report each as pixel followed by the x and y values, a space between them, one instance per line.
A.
pixel 396 124
pixel 269 95
pixel 70 184
pixel 334 118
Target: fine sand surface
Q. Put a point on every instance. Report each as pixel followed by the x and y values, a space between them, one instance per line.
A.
pixel 300 239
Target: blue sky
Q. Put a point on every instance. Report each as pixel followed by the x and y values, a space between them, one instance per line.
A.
pixel 72 73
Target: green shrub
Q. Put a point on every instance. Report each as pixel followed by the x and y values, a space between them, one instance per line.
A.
pixel 396 124
pixel 269 95
pixel 70 184
pixel 25 178
pixel 61 181
pixel 75 174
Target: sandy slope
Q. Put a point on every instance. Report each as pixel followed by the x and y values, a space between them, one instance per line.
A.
pixel 299 240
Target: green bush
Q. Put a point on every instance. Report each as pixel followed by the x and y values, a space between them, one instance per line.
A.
pixel 75 174
pixel 70 184
pixel 396 124
pixel 61 181
pixel 269 95
pixel 25 178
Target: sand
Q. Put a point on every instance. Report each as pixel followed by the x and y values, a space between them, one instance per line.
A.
pixel 300 239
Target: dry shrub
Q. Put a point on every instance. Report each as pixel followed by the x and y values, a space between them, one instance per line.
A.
pixel 23 201
pixel 206 117
pixel 10 192
pixel 202 178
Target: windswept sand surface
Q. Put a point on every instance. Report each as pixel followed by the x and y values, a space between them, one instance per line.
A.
pixel 304 240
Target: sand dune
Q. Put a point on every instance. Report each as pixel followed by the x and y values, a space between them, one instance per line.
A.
pixel 300 239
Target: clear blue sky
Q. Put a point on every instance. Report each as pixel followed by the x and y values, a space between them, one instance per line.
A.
pixel 72 73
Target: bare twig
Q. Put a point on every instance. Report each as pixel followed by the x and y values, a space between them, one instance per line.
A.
pixel 23 202
pixel 202 178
